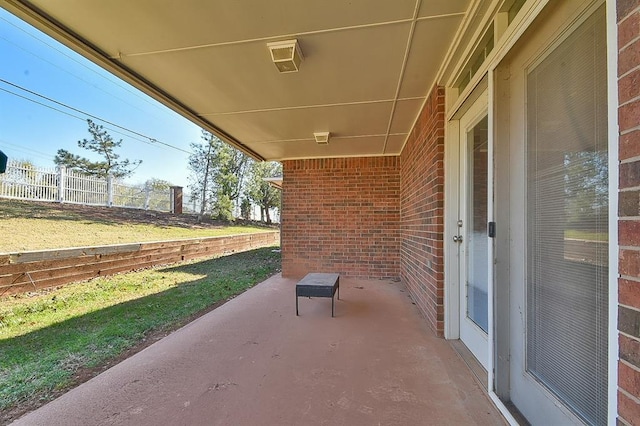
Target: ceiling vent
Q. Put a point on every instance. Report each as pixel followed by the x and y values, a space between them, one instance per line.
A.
pixel 322 138
pixel 286 55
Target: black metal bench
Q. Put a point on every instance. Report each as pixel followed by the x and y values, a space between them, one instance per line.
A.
pixel 318 285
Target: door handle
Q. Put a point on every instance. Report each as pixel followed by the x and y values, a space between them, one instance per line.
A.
pixel 457 238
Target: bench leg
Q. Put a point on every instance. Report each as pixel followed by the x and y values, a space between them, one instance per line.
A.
pixel 331 306
pixel 296 305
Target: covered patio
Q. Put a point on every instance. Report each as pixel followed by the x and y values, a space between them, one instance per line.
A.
pixel 463 148
pixel 252 361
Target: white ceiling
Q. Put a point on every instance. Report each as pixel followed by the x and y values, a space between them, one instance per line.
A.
pixel 368 64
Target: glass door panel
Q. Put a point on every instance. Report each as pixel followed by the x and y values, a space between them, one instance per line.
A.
pixel 567 222
pixel 476 224
pixel 472 229
pixel 557 191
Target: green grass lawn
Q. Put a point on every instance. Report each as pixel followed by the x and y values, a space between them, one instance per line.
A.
pixel 586 235
pixel 47 234
pixel 47 338
pixel 37 226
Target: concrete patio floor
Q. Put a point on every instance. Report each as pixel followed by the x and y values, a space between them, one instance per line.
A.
pixel 253 362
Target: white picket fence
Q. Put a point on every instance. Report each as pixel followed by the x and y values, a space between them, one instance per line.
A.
pixel 56 184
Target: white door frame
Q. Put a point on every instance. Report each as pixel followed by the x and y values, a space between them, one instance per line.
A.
pixel 452 210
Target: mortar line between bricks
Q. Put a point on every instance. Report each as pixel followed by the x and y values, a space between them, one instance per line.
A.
pixel 630 101
pixel 630 278
pixel 629 248
pixel 622 421
pixel 628 44
pixel 628 364
pixel 631 188
pixel 631 71
pixel 632 308
pixel 629 130
pixel 631 12
pixel 628 336
pixel 630 160
pixel 628 395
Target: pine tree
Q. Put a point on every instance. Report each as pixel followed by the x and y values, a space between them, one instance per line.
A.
pixel 102 144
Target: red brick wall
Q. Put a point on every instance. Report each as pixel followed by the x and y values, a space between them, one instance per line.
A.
pixel 422 212
pixel 341 215
pixel 628 15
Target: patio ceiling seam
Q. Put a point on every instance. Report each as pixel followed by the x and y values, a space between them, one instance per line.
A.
pixel 402 70
pixel 261 39
pixel 453 47
pixel 412 20
pixel 289 108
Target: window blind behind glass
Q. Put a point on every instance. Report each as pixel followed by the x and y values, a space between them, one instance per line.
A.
pixel 567 223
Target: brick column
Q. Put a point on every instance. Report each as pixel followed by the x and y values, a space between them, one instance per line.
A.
pixel 422 212
pixel 176 199
pixel 628 17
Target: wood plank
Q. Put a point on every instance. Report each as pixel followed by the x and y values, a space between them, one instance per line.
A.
pixel 45 284
pixel 16 268
pixel 47 268
pixel 34 256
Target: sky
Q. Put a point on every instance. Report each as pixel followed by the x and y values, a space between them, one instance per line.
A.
pixel 34 132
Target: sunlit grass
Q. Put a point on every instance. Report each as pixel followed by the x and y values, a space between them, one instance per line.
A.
pixel 29 234
pixel 578 234
pixel 46 338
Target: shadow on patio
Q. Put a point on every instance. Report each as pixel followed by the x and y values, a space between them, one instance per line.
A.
pixel 252 361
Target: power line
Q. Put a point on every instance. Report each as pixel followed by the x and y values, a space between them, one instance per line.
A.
pixel 70 73
pixel 26 150
pixel 40 103
pixel 114 82
pixel 151 139
pixel 70 115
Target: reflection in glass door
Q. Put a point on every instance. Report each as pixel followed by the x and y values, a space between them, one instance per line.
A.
pixel 567 221
pixel 477 256
pixel 472 229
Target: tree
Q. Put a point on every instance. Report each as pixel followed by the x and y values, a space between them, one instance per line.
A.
pixel 217 175
pixel 103 144
pixel 586 188
pixel 245 208
pixel 261 192
pixel 156 190
pixel 200 176
pixel 229 168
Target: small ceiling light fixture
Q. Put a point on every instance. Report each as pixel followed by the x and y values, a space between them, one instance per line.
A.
pixel 322 138
pixel 286 55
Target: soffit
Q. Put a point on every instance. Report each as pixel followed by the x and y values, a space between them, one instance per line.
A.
pixel 368 64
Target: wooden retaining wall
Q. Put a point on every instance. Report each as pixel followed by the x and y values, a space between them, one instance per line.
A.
pixel 33 270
